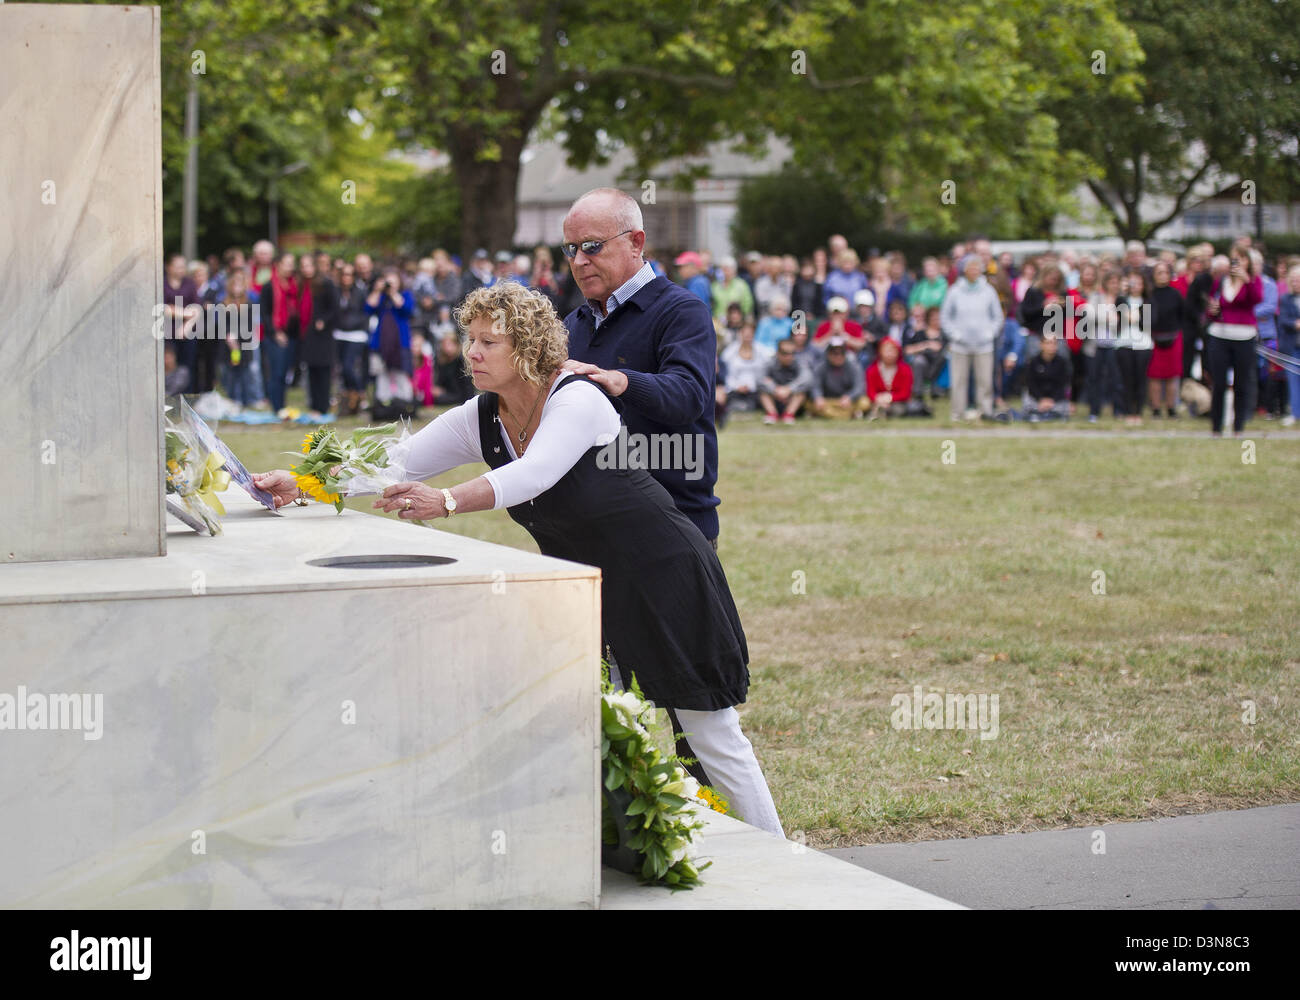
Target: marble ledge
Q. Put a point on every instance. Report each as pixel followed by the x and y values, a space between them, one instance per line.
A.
pixel 261 551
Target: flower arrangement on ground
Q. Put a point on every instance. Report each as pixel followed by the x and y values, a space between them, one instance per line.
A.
pixel 651 808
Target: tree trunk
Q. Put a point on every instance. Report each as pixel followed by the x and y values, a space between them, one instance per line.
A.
pixel 489 192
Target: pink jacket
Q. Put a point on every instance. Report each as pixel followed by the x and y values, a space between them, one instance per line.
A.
pixel 1242 308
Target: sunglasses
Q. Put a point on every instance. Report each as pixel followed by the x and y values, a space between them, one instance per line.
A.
pixel 589 247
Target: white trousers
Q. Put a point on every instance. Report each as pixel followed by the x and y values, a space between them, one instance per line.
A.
pixel 728 760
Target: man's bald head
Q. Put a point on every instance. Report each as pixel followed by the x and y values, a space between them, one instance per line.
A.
pixel 610 203
pixel 613 218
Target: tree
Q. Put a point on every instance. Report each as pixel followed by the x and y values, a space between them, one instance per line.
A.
pixel 794 210
pixel 892 100
pixel 267 98
pixel 475 78
pixel 939 109
pixel 1218 94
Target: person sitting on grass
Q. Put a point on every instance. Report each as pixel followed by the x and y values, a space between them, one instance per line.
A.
pixel 746 364
pixel 775 326
pixel 872 321
pixel 1047 379
pixel 899 326
pixel 452 383
pixel 889 382
pixel 923 351
pixel 728 329
pixel 839 325
pixel 785 386
pixel 838 385
pixel 806 351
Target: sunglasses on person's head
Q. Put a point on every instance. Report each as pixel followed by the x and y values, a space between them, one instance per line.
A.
pixel 589 247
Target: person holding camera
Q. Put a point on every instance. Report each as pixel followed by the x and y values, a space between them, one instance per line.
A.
pixel 390 340
pixel 1230 341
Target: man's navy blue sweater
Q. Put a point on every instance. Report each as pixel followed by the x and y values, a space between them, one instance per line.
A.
pixel 662 339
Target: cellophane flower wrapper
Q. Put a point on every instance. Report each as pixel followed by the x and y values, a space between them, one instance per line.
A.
pixel 378 476
pixel 189 474
pixel 363 464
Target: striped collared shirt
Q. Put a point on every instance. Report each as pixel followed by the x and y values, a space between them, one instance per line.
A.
pixel 624 292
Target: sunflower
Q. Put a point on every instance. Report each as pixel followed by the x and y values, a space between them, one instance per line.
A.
pixel 314 488
pixel 715 801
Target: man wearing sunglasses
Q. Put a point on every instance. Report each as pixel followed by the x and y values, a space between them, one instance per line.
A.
pixel 650 344
pixel 646 340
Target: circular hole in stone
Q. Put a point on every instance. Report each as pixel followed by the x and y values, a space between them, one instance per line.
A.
pixel 394 561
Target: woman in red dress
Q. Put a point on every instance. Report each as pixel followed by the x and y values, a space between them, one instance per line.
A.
pixel 1167 321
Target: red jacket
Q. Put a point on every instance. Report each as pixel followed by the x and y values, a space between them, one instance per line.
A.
pixel 901 389
pixel 1077 302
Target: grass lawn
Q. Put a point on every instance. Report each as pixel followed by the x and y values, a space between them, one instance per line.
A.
pixel 1123 596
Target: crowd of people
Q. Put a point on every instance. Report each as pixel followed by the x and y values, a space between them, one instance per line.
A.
pixel 355 335
pixel 1043 338
pixel 830 336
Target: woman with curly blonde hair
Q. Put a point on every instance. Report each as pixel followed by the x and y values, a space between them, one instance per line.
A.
pixel 666 609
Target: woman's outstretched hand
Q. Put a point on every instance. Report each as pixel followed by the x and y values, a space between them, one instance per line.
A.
pixel 279 483
pixel 425 501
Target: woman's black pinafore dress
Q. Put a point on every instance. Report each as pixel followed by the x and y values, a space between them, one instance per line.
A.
pixel 666 610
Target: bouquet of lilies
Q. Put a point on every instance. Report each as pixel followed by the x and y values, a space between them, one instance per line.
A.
pixel 366 462
pixel 194 475
pixel 652 806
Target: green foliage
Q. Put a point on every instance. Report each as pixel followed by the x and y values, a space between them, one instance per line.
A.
pixel 794 210
pixel 997 102
pixel 394 209
pixel 1217 92
pixel 661 815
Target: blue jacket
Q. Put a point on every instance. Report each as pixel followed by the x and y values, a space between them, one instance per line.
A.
pixel 402 313
pixel 843 285
pixel 772 330
pixel 1266 312
pixel 699 287
pixel 662 339
pixel 1288 312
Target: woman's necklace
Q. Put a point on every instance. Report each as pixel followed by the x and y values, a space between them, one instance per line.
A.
pixel 523 428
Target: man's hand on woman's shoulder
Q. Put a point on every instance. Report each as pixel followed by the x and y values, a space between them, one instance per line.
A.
pixel 614 382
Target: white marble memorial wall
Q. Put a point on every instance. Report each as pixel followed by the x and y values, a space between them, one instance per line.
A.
pixel 80 273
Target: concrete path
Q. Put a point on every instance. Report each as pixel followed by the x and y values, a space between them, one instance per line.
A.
pixel 1247 859
pixel 753 870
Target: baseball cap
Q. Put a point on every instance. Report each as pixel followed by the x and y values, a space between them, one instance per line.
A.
pixel 863 297
pixel 480 254
pixel 839 303
pixel 753 255
pixel 504 257
pixel 689 257
pixel 835 342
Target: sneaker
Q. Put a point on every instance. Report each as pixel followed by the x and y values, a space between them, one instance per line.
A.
pixel 1288 420
pixel 788 418
pixel 768 418
pixel 1092 418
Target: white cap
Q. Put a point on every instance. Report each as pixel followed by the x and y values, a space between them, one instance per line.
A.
pixel 863 297
pixel 837 303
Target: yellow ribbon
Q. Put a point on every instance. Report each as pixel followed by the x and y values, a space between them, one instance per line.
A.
pixel 215 480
